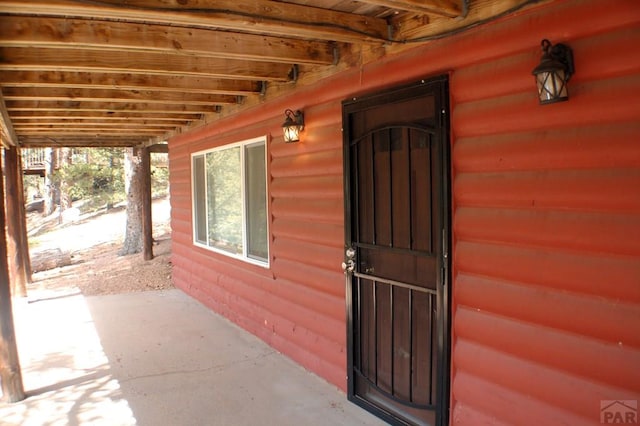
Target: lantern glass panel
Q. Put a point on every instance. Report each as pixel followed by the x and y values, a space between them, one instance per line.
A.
pixel 560 84
pixel 552 86
pixel 291 133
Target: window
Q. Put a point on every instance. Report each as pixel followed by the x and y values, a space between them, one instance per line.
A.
pixel 230 200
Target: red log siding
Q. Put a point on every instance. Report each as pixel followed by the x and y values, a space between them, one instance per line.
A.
pixel 546 218
pixel 298 304
pixel 547 228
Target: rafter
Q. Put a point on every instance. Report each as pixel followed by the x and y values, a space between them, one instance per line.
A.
pixel 129 81
pixel 94 124
pixel 81 141
pixel 12 58
pixel 413 28
pixel 448 8
pixel 109 95
pixel 143 108
pixel 86 138
pixel 97 115
pixel 51 130
pixel 8 136
pixel 26 31
pixel 256 16
pixel 22 121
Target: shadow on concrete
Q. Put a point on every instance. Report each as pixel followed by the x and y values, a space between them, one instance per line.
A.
pixel 161 358
pixel 66 375
pixel 50 297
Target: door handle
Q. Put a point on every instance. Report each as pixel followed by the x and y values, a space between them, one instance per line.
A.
pixel 348 266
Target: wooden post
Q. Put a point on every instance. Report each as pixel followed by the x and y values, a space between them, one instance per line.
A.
pixel 147 227
pixel 10 374
pixel 24 238
pixel 15 211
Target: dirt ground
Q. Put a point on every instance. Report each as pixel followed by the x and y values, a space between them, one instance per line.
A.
pixel 92 242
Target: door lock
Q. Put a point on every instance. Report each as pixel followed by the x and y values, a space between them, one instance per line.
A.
pixel 350 253
pixel 349 265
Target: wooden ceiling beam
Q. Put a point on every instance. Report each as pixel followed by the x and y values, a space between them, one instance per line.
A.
pixel 97 115
pixel 129 81
pixel 15 58
pixel 81 141
pixel 448 8
pixel 160 148
pixel 57 130
pixel 24 31
pixel 413 28
pixel 254 16
pixel 21 121
pixel 108 95
pixel 111 136
pixel 53 131
pixel 80 144
pixel 8 135
pixel 109 107
pixel 59 134
pixel 53 140
pixel 94 124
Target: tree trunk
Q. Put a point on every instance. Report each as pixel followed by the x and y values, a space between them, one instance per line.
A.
pixel 10 374
pixel 49 189
pixel 65 160
pixel 15 249
pixel 133 183
pixel 147 224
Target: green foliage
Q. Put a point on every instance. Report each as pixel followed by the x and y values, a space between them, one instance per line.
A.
pixel 95 175
pixel 92 180
pixel 33 187
pixel 224 196
pixel 159 180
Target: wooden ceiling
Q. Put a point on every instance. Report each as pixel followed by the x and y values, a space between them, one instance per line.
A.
pixel 134 72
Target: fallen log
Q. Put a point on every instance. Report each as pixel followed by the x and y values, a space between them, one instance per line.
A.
pixel 49 259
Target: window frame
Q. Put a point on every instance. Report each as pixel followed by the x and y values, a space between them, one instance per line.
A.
pixel 245 257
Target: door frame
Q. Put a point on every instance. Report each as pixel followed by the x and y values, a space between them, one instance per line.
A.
pixel 440 88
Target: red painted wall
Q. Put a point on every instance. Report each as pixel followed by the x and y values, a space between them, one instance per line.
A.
pixel 546 218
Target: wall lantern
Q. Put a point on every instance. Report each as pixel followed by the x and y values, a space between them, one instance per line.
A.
pixel 293 125
pixel 553 72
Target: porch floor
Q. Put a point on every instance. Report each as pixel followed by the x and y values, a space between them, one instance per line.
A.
pixel 158 358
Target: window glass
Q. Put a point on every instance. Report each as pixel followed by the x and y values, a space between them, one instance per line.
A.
pixel 256 202
pixel 224 200
pixel 230 200
pixel 199 200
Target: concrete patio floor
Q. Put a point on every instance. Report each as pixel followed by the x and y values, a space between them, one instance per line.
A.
pixel 158 358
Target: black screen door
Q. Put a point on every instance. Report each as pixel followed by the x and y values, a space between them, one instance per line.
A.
pixel 396 263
